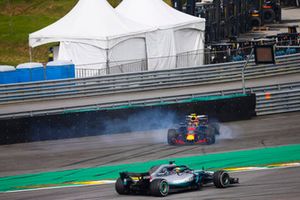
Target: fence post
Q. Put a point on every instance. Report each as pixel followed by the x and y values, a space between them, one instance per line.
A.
pixel 243 71
pixel 107 61
pixel 30 54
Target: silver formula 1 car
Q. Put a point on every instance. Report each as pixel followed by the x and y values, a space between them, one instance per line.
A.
pixel 168 178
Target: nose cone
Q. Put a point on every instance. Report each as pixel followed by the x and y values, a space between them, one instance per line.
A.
pixel 190 137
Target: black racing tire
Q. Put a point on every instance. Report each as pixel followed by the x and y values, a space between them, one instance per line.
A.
pixel 120 187
pixel 255 22
pixel 210 136
pixel 221 179
pixel 159 188
pixel 210 139
pixel 268 15
pixel 171 136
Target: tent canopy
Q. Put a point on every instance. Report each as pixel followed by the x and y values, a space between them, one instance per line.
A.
pixel 178 33
pixel 92 22
pixel 95 35
pixel 157 13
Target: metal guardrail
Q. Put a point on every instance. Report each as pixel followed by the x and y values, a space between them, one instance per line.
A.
pixel 281 101
pixel 278 102
pixel 264 106
pixel 142 81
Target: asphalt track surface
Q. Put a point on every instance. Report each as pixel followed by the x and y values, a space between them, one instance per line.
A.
pixel 102 150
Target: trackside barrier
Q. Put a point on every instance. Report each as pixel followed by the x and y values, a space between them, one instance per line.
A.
pixel 124 118
pixel 261 91
pixel 143 81
pixel 278 101
pixel 270 99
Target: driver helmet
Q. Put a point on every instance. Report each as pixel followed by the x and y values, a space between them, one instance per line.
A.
pixel 194 116
pixel 177 169
pixel 194 119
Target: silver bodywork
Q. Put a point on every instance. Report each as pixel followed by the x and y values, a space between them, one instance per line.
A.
pixel 168 172
pixel 162 179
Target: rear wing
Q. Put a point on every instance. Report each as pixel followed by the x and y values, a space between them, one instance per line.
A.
pixel 131 175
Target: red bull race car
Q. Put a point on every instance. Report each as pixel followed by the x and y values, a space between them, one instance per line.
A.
pixel 195 130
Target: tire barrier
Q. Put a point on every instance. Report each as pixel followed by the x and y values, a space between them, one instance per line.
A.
pixel 81 123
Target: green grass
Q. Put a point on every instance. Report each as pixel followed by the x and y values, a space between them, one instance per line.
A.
pixel 18 18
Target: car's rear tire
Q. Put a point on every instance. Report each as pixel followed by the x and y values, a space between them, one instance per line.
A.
pixel 159 188
pixel 210 136
pixel 171 136
pixel 221 179
pixel 120 187
pixel 210 139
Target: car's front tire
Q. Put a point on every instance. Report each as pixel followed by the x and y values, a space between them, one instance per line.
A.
pixel 221 179
pixel 120 187
pixel 159 188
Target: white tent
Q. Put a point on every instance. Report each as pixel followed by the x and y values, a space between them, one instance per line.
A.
pixel 92 32
pixel 180 35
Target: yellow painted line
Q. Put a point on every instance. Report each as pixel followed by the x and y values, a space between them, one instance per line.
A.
pixel 244 168
pixel 39 186
pixel 285 165
pixel 79 183
pixel 272 166
pixel 67 185
pixel 92 182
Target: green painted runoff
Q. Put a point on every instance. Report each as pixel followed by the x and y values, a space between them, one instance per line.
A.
pixel 244 158
pixel 190 100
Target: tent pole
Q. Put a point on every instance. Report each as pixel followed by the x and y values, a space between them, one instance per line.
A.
pixel 107 62
pixel 30 54
pixel 146 67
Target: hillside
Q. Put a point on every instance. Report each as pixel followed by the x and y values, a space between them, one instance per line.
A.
pixel 18 18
